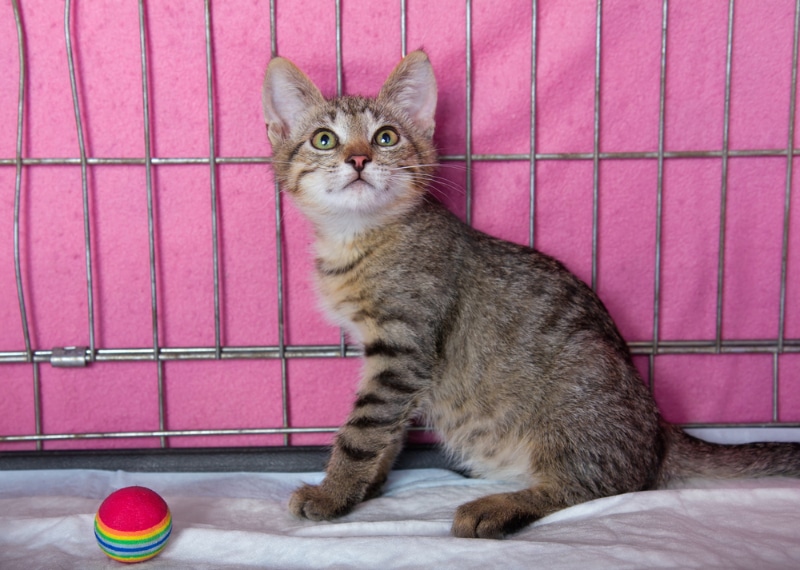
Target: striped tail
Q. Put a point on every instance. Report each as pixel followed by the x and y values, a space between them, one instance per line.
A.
pixel 688 456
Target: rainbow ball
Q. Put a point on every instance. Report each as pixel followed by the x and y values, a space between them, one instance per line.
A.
pixel 132 524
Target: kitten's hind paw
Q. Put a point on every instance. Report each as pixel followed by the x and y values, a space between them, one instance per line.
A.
pixel 317 504
pixel 491 517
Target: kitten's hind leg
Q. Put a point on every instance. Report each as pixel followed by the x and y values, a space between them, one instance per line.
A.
pixel 495 516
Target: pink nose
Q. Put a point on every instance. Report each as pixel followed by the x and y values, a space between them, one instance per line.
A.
pixel 359 161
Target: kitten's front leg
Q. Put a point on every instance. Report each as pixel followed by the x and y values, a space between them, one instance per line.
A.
pixel 367 444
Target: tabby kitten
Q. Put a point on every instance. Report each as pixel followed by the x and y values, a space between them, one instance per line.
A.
pixel 512 360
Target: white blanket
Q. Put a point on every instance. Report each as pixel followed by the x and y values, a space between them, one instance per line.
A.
pixel 239 520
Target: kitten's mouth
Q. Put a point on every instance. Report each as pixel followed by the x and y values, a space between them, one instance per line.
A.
pixel 359 185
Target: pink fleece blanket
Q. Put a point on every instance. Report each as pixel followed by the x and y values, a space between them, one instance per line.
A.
pixel 234 394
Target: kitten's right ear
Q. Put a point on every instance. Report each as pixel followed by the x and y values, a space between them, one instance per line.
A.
pixel 285 96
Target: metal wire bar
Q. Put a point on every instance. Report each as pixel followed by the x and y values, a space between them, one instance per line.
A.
pixel 281 318
pixel 403 29
pixel 84 178
pixel 151 241
pixel 786 219
pixel 775 385
pixel 787 204
pixel 162 434
pixel 698 346
pixel 723 208
pixel 37 399
pixel 596 144
pixel 339 92
pixel 287 431
pixel 273 41
pixel 532 154
pixel 468 119
pixel 279 275
pixel 659 190
pixel 212 150
pixel 338 6
pixel 499 157
pixel 37 405
pixel 23 313
pixel 753 346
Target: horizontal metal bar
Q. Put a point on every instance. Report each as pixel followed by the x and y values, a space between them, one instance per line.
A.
pixel 112 161
pixel 115 161
pixel 164 433
pixel 194 353
pixel 755 346
pixel 176 433
pixel 296 430
pixel 711 347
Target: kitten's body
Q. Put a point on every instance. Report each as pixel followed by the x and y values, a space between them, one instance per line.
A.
pixel 512 359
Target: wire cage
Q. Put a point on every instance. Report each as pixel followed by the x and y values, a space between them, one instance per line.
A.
pixel 63 395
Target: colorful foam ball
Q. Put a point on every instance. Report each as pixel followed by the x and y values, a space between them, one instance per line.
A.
pixel 133 524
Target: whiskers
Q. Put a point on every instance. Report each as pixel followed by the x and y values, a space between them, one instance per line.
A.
pixel 437 184
pixel 440 181
pixel 452 165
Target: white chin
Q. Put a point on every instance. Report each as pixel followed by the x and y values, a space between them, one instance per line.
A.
pixel 358 196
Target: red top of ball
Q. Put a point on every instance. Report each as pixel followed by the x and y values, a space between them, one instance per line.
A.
pixel 132 509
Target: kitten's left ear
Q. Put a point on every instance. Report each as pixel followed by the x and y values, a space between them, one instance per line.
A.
pixel 286 95
pixel 412 87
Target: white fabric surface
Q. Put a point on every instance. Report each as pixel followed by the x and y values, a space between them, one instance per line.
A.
pixel 239 520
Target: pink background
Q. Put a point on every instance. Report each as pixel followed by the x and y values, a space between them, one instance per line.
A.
pixel 122 397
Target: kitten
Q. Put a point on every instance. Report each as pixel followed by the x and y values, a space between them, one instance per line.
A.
pixel 513 361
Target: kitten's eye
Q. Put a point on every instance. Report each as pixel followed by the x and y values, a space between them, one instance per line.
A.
pixel 387 136
pixel 324 140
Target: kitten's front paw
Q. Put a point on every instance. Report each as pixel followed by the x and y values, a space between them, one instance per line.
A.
pixel 317 504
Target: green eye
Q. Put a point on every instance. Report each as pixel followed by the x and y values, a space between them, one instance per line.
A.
pixel 387 136
pixel 324 140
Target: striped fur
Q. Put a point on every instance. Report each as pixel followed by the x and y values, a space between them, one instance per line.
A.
pixel 510 358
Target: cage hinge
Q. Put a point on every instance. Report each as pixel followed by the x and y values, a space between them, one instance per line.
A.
pixel 68 357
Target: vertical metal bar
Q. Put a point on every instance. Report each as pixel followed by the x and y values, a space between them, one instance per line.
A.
pixel 281 319
pixel 273 42
pixel 532 196
pixel 659 189
pixel 338 48
pixel 723 209
pixel 786 212
pixel 279 262
pixel 18 181
pixel 342 338
pixel 403 29
pixel 468 150
pixel 37 405
pixel 84 179
pixel 148 173
pixel 596 144
pixel 775 387
pixel 213 163
pixel 789 179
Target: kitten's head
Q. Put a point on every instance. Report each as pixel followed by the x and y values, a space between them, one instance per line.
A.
pixel 352 163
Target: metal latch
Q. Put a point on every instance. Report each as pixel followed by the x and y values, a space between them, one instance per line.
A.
pixel 68 357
